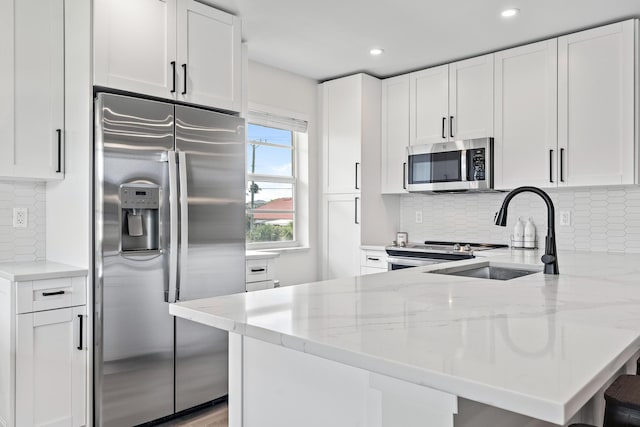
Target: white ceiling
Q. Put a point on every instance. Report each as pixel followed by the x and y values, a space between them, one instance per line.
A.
pixel 323 39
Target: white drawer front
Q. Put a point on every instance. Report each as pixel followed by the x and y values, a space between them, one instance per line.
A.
pixel 257 286
pixel 371 270
pixel 375 259
pixel 257 270
pixel 39 295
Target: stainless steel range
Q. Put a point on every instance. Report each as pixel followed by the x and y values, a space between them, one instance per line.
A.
pixel 433 252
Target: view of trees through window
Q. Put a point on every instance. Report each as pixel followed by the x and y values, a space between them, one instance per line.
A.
pixel 270 207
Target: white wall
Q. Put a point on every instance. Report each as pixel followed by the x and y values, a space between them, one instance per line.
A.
pixel 602 219
pixel 22 244
pixel 268 86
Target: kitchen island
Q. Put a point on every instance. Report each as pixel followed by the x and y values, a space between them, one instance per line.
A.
pixel 411 348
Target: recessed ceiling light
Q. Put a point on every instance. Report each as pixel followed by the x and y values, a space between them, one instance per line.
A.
pixel 508 13
pixel 376 51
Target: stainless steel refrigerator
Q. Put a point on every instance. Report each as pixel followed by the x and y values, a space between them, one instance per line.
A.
pixel 169 226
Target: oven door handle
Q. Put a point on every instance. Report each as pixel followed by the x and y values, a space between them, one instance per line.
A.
pixel 415 262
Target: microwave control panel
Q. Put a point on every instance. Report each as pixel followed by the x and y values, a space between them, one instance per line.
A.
pixel 476 164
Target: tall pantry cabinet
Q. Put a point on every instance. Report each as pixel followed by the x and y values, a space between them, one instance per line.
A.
pixel 353 210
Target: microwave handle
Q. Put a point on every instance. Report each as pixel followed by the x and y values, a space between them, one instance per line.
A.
pixel 463 165
pixel 404 176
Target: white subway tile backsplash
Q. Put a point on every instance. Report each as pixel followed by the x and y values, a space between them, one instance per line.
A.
pixel 602 219
pixel 22 244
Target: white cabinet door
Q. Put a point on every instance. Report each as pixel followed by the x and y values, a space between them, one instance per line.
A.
pixel 50 369
pixel 135 46
pixel 526 124
pixel 471 98
pixel 342 134
pixel 341 239
pixel 32 105
pixel 209 49
pixel 395 134
pixel 429 105
pixel 596 95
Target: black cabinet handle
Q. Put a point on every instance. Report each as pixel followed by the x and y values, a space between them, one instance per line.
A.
pixel 258 270
pixel 451 126
pixel 357 165
pixel 184 69
pixel 562 165
pixel 80 343
pixel 173 77
pixel 444 122
pixel 373 259
pixel 59 132
pixel 50 294
pixel 404 176
pixel 355 218
pixel 550 165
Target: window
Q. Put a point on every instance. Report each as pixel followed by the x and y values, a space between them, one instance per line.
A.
pixel 271 180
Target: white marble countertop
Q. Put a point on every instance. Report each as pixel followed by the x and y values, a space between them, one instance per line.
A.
pixel 536 345
pixel 260 255
pixel 39 270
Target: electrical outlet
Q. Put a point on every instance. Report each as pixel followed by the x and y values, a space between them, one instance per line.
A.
pixel 20 217
pixel 418 217
pixel 565 217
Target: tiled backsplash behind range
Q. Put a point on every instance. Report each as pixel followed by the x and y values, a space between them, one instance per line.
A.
pixel 22 244
pixel 602 219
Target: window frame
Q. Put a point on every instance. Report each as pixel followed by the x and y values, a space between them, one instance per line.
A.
pixel 279 179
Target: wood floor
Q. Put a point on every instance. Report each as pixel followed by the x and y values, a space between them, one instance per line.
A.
pixel 215 416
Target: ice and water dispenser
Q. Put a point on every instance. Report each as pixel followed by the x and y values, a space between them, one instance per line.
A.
pixel 139 220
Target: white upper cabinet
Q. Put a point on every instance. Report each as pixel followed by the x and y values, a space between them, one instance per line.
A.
pixel 596 104
pixel 471 98
pixel 395 134
pixel 452 102
pixel 526 127
pixel 174 49
pixel 135 46
pixel 342 134
pixel 429 105
pixel 32 105
pixel 209 56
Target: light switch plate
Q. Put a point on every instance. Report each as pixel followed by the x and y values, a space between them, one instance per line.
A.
pixel 565 218
pixel 418 217
pixel 20 217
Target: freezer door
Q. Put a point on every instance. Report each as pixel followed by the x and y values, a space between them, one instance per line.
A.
pixel 212 243
pixel 134 332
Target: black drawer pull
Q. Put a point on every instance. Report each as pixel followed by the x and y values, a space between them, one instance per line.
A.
pixel 258 270
pixel 80 343
pixel 50 294
pixel 59 132
pixel 373 259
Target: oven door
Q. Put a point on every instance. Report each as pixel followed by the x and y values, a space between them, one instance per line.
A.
pixel 399 263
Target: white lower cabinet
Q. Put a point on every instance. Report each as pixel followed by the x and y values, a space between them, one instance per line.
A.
pixel 341 236
pixel 261 270
pixel 43 352
pixel 373 261
pixel 51 367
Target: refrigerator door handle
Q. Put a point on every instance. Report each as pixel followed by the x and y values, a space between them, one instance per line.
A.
pixel 184 221
pixel 173 220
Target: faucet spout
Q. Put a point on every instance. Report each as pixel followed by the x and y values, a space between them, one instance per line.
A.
pixel 550 257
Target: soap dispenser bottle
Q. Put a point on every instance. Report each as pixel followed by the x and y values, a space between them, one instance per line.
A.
pixel 518 234
pixel 530 234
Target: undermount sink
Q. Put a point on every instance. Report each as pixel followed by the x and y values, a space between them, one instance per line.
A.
pixel 487 272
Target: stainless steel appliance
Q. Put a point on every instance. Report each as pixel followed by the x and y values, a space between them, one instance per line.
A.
pixel 169 226
pixel 451 166
pixel 433 252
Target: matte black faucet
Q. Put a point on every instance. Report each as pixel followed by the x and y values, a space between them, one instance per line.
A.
pixel 550 257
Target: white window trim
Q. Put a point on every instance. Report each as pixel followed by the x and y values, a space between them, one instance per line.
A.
pixel 300 231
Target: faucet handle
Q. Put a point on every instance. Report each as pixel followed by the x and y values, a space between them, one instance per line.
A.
pixel 548 259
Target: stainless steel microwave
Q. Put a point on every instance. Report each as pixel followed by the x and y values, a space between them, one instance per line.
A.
pixel 451 166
